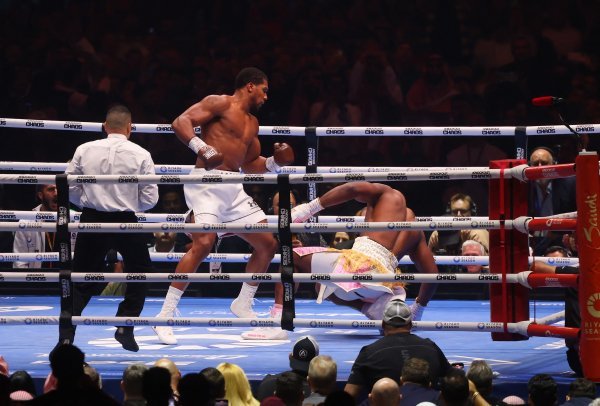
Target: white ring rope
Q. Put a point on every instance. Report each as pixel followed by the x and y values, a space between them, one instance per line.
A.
pixel 472 326
pixel 262 277
pixel 167 169
pixel 551 318
pixel 242 258
pixel 521 224
pixel 235 178
pixel 29 215
pixel 506 131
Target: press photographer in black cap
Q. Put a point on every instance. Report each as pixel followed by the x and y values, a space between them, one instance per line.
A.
pixel 386 356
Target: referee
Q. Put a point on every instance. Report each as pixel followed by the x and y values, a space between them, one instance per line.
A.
pixel 111 203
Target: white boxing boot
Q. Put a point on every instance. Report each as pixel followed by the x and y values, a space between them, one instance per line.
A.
pixel 268 333
pixel 242 305
pixel 169 308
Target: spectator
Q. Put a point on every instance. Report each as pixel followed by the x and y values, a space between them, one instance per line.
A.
pixel 339 398
pixel 472 248
pixel 34 241
pixel 237 387
pixel 581 392
pixel 22 381
pixel 156 387
pixel 132 385
pixel 3 366
pixel 455 388
pixel 272 401
pixel 450 242
pixel 170 202
pixel 170 366
pixel 289 388
pixel 386 356
pixel 429 98
pixel 4 390
pixel 73 386
pixel 93 374
pixel 542 390
pixel 482 375
pixel 548 197
pixel 322 376
pixel 216 382
pixel 194 390
pixel 416 383
pixel 340 238
pixel 304 350
pixel 385 392
pixel 572 312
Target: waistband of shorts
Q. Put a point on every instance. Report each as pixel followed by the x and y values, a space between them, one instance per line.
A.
pixel 376 251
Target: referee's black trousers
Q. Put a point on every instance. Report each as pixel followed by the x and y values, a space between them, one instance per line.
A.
pixel 90 256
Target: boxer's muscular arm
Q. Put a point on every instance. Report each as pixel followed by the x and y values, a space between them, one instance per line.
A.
pixel 363 192
pixel 423 259
pixel 199 114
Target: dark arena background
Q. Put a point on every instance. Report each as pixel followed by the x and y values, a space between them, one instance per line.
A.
pixel 431 70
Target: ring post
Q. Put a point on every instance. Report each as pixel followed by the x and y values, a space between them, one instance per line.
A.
pixel 509 251
pixel 588 246
pixel 63 238
pixel 285 247
pixel 312 155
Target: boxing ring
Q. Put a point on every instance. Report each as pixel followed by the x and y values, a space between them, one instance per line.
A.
pixel 208 333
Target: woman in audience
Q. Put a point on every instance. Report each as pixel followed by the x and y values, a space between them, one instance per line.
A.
pixel 237 387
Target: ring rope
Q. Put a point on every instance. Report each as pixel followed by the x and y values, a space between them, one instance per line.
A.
pixel 242 258
pixel 525 278
pixel 501 131
pixel 521 172
pixel 29 215
pixel 523 224
pixel 526 328
pixel 167 169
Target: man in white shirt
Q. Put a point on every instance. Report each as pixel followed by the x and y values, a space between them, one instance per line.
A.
pixel 111 203
pixel 34 241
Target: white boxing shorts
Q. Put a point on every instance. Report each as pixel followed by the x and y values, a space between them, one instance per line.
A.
pixel 366 256
pixel 220 202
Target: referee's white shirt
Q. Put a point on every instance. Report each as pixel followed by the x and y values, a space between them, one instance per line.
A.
pixel 113 155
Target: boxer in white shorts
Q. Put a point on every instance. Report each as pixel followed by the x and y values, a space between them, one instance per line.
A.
pixel 373 252
pixel 221 203
pixel 229 143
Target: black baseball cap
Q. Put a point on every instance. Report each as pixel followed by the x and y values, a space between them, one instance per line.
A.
pixel 305 349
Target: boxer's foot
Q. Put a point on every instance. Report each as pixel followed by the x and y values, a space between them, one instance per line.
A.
pixel 374 311
pixel 265 333
pixel 242 307
pixel 165 334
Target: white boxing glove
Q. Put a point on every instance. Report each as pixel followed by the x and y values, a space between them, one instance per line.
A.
pixel 304 211
pixel 417 311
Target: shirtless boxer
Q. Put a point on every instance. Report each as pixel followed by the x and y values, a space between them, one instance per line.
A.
pixel 229 144
pixel 372 252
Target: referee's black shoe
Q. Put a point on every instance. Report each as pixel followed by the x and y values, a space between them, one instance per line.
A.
pixel 124 335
